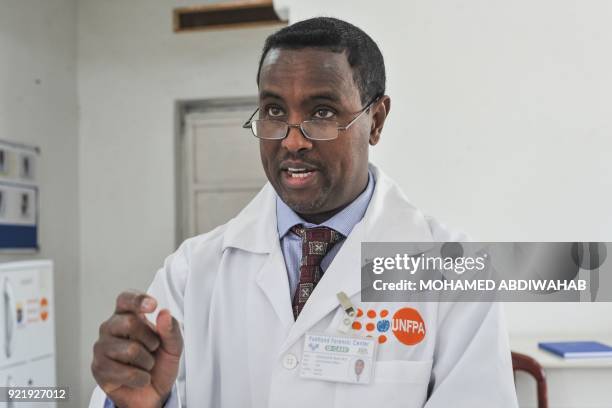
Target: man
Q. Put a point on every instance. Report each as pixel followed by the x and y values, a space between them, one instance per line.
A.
pixel 236 303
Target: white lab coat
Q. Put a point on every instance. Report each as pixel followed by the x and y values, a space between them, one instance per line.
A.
pixel 229 289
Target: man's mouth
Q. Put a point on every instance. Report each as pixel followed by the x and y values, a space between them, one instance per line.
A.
pixel 298 175
pixel 299 172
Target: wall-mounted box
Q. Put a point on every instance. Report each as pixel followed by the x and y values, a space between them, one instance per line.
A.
pixel 18 197
pixel 236 14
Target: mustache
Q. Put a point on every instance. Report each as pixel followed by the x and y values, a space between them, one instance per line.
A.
pixel 310 162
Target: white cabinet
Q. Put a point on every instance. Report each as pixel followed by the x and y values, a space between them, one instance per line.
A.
pixel 27 331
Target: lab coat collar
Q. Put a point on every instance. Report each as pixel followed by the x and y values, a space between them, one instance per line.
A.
pixel 389 217
pixel 254 228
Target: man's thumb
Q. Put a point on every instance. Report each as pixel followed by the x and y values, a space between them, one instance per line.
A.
pixel 169 333
pixel 168 355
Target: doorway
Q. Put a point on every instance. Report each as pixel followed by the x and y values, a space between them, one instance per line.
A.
pixel 218 165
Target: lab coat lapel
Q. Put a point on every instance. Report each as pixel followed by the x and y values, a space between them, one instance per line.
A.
pixel 255 230
pixel 273 281
pixel 389 218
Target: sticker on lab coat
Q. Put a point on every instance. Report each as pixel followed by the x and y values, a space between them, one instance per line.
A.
pixel 406 325
pixel 338 358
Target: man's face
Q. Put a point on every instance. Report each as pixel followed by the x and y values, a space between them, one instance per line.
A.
pixel 359 366
pixel 313 177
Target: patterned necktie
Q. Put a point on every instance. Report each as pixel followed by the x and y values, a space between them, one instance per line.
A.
pixel 316 243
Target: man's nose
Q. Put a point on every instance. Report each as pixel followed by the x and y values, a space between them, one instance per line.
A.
pixel 296 141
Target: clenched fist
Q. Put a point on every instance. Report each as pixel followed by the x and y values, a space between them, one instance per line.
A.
pixel 135 362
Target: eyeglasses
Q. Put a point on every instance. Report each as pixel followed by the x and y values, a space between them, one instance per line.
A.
pixel 314 129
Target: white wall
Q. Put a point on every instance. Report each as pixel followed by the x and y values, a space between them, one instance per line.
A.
pixel 38 105
pixel 132 69
pixel 500 122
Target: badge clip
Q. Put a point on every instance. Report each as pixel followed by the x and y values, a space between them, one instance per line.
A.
pixel 349 313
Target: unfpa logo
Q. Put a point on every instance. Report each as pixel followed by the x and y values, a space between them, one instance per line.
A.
pixel 408 327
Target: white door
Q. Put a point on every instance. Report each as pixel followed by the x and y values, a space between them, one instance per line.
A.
pixel 221 168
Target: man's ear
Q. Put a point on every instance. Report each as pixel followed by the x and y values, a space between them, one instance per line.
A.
pixel 380 110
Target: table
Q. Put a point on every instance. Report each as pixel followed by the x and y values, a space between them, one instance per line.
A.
pixel 572 383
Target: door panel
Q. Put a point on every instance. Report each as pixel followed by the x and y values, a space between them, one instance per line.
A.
pixel 220 168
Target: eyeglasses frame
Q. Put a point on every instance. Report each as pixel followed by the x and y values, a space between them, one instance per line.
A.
pixel 249 123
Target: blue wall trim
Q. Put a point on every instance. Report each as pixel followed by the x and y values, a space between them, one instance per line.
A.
pixel 18 236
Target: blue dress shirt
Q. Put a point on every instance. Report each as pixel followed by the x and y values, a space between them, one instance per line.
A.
pixel 343 222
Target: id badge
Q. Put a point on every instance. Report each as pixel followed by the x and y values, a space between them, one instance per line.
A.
pixel 338 358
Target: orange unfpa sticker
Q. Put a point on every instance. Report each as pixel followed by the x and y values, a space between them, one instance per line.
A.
pixel 44 309
pixel 408 326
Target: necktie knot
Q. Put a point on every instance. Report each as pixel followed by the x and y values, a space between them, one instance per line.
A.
pixel 316 241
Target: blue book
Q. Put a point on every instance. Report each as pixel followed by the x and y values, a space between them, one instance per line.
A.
pixel 577 349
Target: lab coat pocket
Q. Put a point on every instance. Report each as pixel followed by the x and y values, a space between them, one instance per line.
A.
pixel 396 383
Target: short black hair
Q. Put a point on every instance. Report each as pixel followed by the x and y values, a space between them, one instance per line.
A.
pixel 327 33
